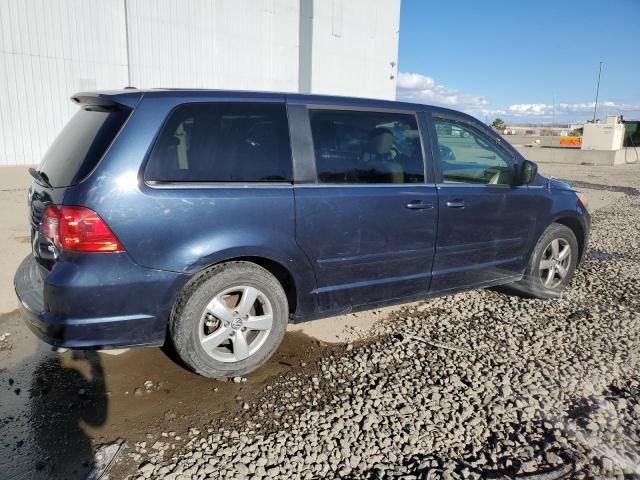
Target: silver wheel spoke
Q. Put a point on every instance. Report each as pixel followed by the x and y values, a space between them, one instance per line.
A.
pixel 562 270
pixel 263 322
pixel 249 296
pixel 555 248
pixel 564 253
pixel 218 309
pixel 550 276
pixel 240 346
pixel 211 342
pixel 547 264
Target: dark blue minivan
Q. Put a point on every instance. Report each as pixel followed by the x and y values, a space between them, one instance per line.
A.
pixel 215 218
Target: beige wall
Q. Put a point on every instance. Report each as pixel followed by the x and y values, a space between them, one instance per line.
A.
pixel 575 156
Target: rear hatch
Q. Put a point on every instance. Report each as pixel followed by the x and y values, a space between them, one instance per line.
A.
pixel 71 158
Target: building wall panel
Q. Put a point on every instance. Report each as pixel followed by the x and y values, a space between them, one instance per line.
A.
pixel 234 44
pixel 49 50
pixel 355 47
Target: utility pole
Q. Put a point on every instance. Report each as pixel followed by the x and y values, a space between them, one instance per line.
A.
pixel 126 37
pixel 595 108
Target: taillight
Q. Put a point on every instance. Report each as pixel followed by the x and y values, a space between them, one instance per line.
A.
pixel 50 222
pixel 78 229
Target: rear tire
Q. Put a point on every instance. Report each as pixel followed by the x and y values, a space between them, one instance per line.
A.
pixel 229 320
pixel 552 263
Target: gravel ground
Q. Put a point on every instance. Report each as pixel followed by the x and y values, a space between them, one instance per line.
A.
pixel 475 385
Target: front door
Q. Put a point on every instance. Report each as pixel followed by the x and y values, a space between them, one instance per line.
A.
pixel 484 221
pixel 368 222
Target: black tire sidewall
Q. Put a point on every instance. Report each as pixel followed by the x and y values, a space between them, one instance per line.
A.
pixel 532 277
pixel 186 317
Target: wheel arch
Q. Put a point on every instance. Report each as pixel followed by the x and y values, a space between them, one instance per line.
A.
pixel 282 274
pixel 294 277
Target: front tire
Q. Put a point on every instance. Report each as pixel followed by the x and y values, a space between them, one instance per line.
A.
pixel 229 320
pixel 552 263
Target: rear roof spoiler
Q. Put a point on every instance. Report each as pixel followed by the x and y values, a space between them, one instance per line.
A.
pixel 111 99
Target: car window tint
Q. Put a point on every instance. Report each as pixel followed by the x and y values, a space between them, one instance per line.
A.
pixel 223 142
pixel 366 147
pixel 470 156
pixel 81 144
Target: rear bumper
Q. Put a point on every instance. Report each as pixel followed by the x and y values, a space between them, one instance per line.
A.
pixel 89 307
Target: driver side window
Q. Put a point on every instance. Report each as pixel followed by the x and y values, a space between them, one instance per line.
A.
pixel 470 156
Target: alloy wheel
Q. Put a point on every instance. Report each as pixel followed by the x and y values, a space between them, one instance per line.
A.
pixel 555 262
pixel 235 324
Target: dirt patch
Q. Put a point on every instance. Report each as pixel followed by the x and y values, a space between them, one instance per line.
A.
pixel 178 395
pixel 56 407
pixel 632 192
pixel 181 400
pixel 22 239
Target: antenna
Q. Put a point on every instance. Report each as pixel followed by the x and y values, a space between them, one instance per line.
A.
pixel 595 107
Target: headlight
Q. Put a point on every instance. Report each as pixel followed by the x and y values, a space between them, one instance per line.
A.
pixel 582 200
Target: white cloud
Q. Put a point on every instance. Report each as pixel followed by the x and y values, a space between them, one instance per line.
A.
pixel 570 109
pixel 528 109
pixel 414 87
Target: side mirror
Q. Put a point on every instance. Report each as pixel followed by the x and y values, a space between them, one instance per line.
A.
pixel 528 172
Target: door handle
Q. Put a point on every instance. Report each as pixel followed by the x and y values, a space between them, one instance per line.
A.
pixel 419 205
pixel 455 204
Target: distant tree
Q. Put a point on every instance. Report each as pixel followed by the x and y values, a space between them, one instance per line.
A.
pixel 499 125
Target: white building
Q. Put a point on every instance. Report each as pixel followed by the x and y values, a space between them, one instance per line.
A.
pixel 50 49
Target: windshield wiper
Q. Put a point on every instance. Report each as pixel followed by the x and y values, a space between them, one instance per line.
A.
pixel 40 177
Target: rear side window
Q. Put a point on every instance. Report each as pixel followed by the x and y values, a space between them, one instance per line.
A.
pixel 223 142
pixel 366 147
pixel 81 144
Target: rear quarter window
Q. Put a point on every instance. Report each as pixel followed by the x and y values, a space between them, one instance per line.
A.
pixel 81 144
pixel 222 142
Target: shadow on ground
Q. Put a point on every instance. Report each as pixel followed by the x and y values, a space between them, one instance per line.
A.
pixel 46 407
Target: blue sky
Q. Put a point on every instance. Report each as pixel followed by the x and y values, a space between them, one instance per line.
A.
pixel 511 58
